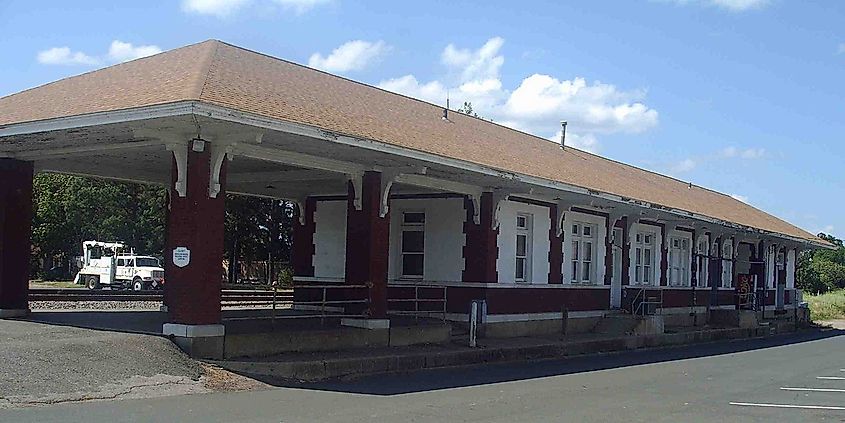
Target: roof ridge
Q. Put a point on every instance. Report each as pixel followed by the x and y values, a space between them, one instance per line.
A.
pixel 206 68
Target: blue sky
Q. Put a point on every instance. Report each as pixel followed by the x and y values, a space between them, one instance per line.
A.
pixel 742 96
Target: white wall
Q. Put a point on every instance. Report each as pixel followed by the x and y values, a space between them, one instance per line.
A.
pixel 540 226
pixel 598 244
pixel 444 237
pixel 330 239
pixel 658 248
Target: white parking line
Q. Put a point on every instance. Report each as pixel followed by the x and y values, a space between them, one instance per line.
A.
pixel 813 389
pixel 805 407
pixel 830 377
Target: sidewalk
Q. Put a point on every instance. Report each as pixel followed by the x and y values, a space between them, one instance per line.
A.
pixel 310 367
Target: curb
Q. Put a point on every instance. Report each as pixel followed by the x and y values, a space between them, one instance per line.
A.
pixel 322 369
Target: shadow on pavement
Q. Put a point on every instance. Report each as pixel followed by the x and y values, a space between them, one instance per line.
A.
pixel 455 377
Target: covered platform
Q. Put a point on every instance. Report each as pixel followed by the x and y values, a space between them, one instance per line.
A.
pixel 397 198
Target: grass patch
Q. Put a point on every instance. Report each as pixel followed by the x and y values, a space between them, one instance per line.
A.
pixel 53 284
pixel 827 306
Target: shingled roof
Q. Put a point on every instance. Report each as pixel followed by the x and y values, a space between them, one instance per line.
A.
pixel 220 74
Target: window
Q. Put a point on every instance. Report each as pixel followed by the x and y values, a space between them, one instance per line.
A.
pixel 702 263
pixel 413 244
pixel 727 265
pixel 644 258
pixel 523 248
pixel 679 262
pixel 147 262
pixel 121 262
pixel 582 253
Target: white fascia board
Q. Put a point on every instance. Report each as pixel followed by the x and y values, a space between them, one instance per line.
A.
pixel 227 114
pixel 436 183
pixel 99 118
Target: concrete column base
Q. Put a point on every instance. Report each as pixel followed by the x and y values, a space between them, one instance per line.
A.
pixel 198 341
pixel 366 323
pixel 13 312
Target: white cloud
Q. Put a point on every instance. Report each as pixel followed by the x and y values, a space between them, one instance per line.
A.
pixel 748 153
pixel 739 197
pixel 731 5
pixel 433 92
pixel 685 165
pixel 219 8
pixel 123 52
pixel 224 8
pixel 537 104
pixel 64 56
pixel 119 51
pixel 350 56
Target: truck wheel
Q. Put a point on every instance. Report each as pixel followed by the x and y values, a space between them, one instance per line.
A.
pixel 93 282
pixel 137 285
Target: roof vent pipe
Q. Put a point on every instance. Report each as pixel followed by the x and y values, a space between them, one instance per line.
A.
pixel 562 134
pixel 446 109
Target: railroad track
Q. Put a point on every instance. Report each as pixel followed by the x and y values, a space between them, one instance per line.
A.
pixel 229 296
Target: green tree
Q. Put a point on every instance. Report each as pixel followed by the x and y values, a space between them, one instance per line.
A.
pixel 819 271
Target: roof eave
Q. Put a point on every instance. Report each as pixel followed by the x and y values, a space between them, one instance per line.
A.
pixel 188 107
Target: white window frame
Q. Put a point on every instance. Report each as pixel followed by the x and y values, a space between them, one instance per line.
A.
pixel 644 273
pixel 679 261
pixel 411 227
pixel 727 254
pixel 702 266
pixel 523 224
pixel 582 235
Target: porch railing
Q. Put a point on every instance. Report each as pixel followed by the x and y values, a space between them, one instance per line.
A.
pixel 438 309
pixel 645 305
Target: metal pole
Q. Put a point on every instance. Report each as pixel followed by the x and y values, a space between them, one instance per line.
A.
pixel 274 304
pixel 473 323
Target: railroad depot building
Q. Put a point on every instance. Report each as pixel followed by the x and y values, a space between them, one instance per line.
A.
pixel 398 200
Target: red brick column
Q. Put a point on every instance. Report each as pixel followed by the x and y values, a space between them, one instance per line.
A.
pixel 555 248
pixel 302 254
pixel 15 232
pixel 367 239
pixel 481 250
pixel 192 293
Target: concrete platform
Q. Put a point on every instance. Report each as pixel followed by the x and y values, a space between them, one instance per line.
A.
pixel 250 333
pixel 311 367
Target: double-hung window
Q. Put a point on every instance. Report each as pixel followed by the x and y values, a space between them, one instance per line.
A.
pixel 413 244
pixel 523 248
pixel 644 258
pixel 582 253
pixel 679 261
pixel 703 263
pixel 727 265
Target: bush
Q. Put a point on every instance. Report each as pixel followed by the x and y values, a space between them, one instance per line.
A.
pixel 827 306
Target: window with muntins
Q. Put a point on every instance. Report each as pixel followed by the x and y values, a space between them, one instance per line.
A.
pixel 702 263
pixel 582 253
pixel 727 265
pixel 522 272
pixel 679 259
pixel 413 244
pixel 644 258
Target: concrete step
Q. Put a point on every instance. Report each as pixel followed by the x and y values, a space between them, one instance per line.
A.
pixel 616 325
pixel 315 368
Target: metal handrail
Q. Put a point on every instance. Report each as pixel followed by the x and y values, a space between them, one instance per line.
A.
pixel 416 312
pixel 641 308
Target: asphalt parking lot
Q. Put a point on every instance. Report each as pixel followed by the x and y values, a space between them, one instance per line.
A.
pixel 741 381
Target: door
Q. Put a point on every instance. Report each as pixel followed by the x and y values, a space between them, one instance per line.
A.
pixel 616 280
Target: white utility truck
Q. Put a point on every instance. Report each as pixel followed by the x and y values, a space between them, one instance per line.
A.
pixel 104 264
